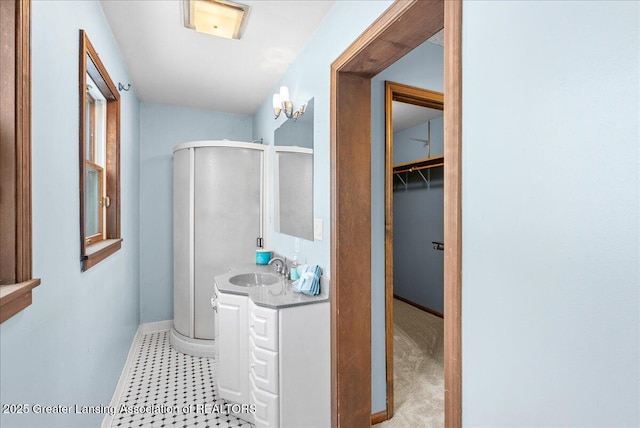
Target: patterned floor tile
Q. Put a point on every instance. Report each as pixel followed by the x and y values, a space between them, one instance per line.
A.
pixel 166 389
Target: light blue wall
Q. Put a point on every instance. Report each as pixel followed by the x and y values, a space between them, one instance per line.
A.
pixel 550 170
pixel 550 279
pixel 308 77
pixel 297 132
pixel 161 128
pixel 422 67
pixel 418 219
pixel 70 345
pixel 409 144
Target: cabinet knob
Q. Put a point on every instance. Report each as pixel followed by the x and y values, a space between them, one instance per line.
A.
pixel 251 325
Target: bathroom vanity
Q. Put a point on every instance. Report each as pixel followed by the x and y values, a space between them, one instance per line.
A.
pixel 273 349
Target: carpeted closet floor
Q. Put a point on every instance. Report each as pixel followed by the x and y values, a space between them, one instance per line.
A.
pixel 418 359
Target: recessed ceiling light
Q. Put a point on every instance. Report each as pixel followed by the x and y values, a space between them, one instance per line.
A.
pixel 216 17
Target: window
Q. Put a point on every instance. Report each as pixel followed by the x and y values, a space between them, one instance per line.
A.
pixel 99 159
pixel 94 152
pixel 16 282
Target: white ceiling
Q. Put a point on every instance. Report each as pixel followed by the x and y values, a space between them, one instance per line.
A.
pixel 406 116
pixel 170 64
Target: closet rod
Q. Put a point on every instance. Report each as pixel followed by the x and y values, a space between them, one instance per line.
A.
pixel 430 162
pixel 416 168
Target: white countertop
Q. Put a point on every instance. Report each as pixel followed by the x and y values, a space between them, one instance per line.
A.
pixel 279 295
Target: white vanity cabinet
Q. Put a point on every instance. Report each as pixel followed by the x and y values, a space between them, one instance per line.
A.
pixel 264 365
pixel 233 377
pixel 286 364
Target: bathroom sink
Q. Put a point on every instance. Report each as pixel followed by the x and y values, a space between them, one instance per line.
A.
pixel 254 279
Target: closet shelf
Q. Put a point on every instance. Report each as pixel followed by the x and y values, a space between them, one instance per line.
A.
pixel 420 164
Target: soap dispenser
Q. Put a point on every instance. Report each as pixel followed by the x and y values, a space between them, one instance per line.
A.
pixel 294 268
pixel 294 274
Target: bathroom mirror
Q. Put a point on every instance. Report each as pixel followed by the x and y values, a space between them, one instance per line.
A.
pixel 293 200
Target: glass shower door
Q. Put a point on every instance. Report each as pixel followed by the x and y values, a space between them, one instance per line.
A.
pixel 227 220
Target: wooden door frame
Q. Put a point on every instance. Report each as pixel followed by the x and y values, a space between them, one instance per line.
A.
pixel 402 27
pixel 394 91
pixel 16 255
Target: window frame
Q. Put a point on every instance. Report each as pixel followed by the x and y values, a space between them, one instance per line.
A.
pixel 92 137
pixel 92 249
pixel 92 239
pixel 16 281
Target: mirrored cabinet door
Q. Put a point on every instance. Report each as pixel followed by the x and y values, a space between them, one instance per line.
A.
pixel 293 199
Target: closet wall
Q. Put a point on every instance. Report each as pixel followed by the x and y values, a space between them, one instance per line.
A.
pixel 418 219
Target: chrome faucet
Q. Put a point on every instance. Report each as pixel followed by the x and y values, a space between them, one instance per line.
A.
pixel 281 266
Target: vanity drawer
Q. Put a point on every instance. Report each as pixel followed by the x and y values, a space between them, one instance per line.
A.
pixel 263 326
pixel 267 407
pixel 263 367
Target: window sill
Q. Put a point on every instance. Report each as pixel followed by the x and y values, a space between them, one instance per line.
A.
pixel 99 251
pixel 15 297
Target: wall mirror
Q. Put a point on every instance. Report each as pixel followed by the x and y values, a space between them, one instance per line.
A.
pixel 293 199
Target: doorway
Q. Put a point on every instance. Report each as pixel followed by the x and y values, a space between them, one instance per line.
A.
pixel 414 165
pixel 401 28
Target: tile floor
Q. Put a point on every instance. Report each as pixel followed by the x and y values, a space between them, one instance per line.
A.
pixel 176 390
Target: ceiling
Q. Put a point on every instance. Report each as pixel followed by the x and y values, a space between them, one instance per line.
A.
pixel 170 64
pixel 407 116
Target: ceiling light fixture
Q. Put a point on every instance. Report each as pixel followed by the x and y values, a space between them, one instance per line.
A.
pixel 215 17
pixel 282 102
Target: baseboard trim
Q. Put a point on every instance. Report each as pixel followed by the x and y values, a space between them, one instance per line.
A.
pixel 117 394
pixel 419 306
pixel 149 327
pixel 154 327
pixel 382 416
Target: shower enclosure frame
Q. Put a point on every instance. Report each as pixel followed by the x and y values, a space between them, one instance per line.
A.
pixel 181 339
